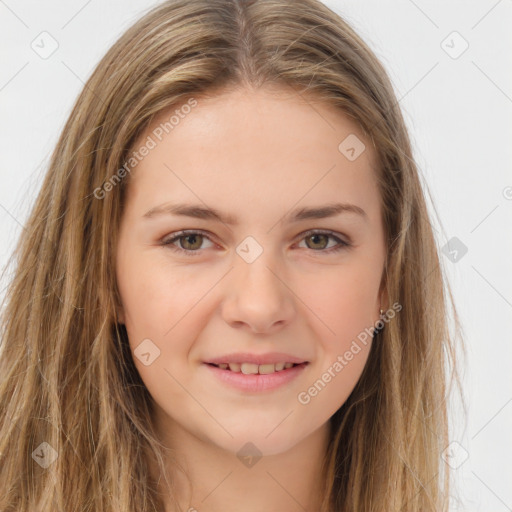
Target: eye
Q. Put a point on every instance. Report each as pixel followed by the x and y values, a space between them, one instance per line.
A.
pixel 323 236
pixel 192 238
pixel 193 241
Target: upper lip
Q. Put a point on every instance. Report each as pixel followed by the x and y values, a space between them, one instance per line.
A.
pixel 246 357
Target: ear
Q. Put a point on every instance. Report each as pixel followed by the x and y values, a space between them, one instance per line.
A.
pixel 120 316
pixel 383 296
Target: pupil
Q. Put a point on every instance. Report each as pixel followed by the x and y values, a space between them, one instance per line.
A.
pixel 315 236
pixel 193 237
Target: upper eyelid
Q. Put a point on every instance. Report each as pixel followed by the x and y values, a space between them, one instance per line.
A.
pixel 186 232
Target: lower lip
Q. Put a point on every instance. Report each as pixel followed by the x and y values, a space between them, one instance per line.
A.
pixel 257 382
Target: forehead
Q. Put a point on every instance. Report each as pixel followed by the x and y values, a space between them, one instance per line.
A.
pixel 248 146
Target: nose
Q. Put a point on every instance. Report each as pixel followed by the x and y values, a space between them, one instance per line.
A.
pixel 258 296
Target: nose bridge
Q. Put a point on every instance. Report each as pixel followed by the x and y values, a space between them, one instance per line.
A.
pixel 258 296
pixel 256 263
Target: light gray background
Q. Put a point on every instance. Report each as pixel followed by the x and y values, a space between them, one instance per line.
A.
pixel 459 114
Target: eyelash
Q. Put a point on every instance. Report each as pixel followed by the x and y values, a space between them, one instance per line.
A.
pixel 188 252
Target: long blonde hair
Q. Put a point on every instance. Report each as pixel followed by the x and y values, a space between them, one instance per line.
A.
pixel 69 388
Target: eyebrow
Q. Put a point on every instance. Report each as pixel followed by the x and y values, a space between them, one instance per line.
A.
pixel 200 212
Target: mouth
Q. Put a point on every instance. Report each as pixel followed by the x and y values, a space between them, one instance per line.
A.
pixel 257 369
pixel 256 377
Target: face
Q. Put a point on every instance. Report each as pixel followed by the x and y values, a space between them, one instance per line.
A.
pixel 255 288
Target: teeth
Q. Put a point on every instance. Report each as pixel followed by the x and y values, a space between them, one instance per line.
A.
pixel 249 368
pixel 266 368
pixel 253 369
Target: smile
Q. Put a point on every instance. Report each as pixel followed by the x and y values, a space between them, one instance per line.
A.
pixel 254 378
pixel 252 369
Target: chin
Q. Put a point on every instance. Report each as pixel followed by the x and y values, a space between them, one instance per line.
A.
pixel 258 440
pixel 256 446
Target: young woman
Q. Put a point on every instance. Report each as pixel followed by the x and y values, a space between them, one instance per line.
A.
pixel 228 295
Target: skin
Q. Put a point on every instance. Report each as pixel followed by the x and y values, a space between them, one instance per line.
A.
pixel 257 155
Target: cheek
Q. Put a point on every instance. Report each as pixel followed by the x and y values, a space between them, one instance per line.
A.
pixel 345 305
pixel 162 324
pixel 163 313
pixel 343 302
pixel 154 296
